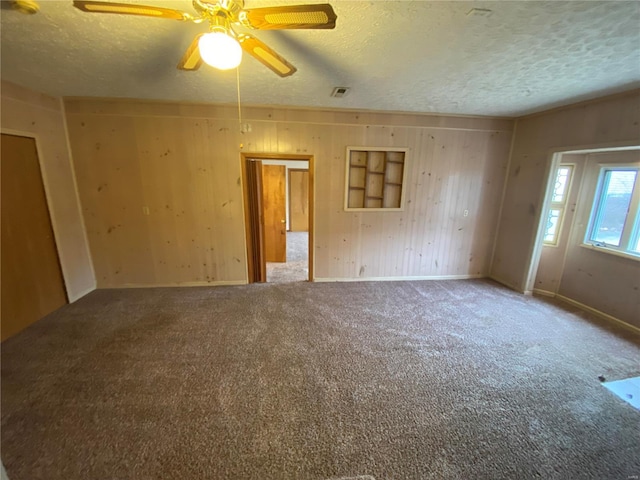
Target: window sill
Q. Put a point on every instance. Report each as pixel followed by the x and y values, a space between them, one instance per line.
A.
pixel 611 251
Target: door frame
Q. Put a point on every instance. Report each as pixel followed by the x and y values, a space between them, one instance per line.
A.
pixel 246 157
pixel 47 196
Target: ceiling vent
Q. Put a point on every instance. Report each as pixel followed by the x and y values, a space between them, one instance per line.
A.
pixel 340 92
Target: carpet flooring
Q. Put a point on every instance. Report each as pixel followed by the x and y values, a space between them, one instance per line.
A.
pixel 296 268
pixel 371 380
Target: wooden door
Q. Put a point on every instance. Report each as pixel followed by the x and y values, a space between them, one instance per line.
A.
pixel 298 200
pixel 274 210
pixel 255 241
pixel 32 283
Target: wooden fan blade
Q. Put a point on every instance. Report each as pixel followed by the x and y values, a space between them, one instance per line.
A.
pixel 191 60
pixel 130 9
pixel 319 16
pixel 265 55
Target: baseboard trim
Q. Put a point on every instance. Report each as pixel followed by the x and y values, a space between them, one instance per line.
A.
pixel 397 279
pixel 84 292
pixel 544 293
pixel 182 284
pixel 587 308
pixel 604 316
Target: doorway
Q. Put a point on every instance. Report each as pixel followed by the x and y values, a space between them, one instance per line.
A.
pixel 278 194
pixel 32 281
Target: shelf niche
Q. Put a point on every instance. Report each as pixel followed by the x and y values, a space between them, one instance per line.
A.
pixel 375 178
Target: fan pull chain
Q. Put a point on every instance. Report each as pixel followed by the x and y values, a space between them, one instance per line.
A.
pixel 238 88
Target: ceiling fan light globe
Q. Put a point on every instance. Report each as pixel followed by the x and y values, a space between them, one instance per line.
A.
pixel 220 50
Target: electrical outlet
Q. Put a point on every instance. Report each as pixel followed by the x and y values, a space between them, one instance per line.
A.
pixel 466 213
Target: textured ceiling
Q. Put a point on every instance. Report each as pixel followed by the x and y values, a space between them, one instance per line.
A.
pixel 413 56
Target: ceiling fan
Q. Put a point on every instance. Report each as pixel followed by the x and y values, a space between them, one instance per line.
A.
pixel 222 47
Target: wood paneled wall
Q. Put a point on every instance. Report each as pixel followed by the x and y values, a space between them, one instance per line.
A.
pixel 181 163
pixel 449 171
pixel 162 198
pixel 34 114
pixel 603 122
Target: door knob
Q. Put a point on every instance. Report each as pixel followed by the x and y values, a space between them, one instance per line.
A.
pixel 283 221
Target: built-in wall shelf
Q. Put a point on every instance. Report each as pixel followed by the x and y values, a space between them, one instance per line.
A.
pixel 375 177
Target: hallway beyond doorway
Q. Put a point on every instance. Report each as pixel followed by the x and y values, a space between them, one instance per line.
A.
pixel 296 269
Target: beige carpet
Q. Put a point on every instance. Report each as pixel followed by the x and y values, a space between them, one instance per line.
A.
pixel 398 380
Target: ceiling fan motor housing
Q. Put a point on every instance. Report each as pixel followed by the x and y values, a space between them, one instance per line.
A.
pixel 230 8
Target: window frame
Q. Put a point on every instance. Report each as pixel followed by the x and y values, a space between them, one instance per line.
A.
pixel 631 227
pixel 562 206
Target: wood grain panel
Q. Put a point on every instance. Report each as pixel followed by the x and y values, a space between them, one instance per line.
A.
pixel 188 157
pixel 285 115
pixel 299 200
pixel 162 199
pixel 32 283
pixel 274 213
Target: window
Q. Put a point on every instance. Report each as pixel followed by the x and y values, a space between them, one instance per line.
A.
pixel 615 218
pixel 375 178
pixel 559 198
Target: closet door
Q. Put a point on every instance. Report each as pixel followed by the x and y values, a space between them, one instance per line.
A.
pixel 32 282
